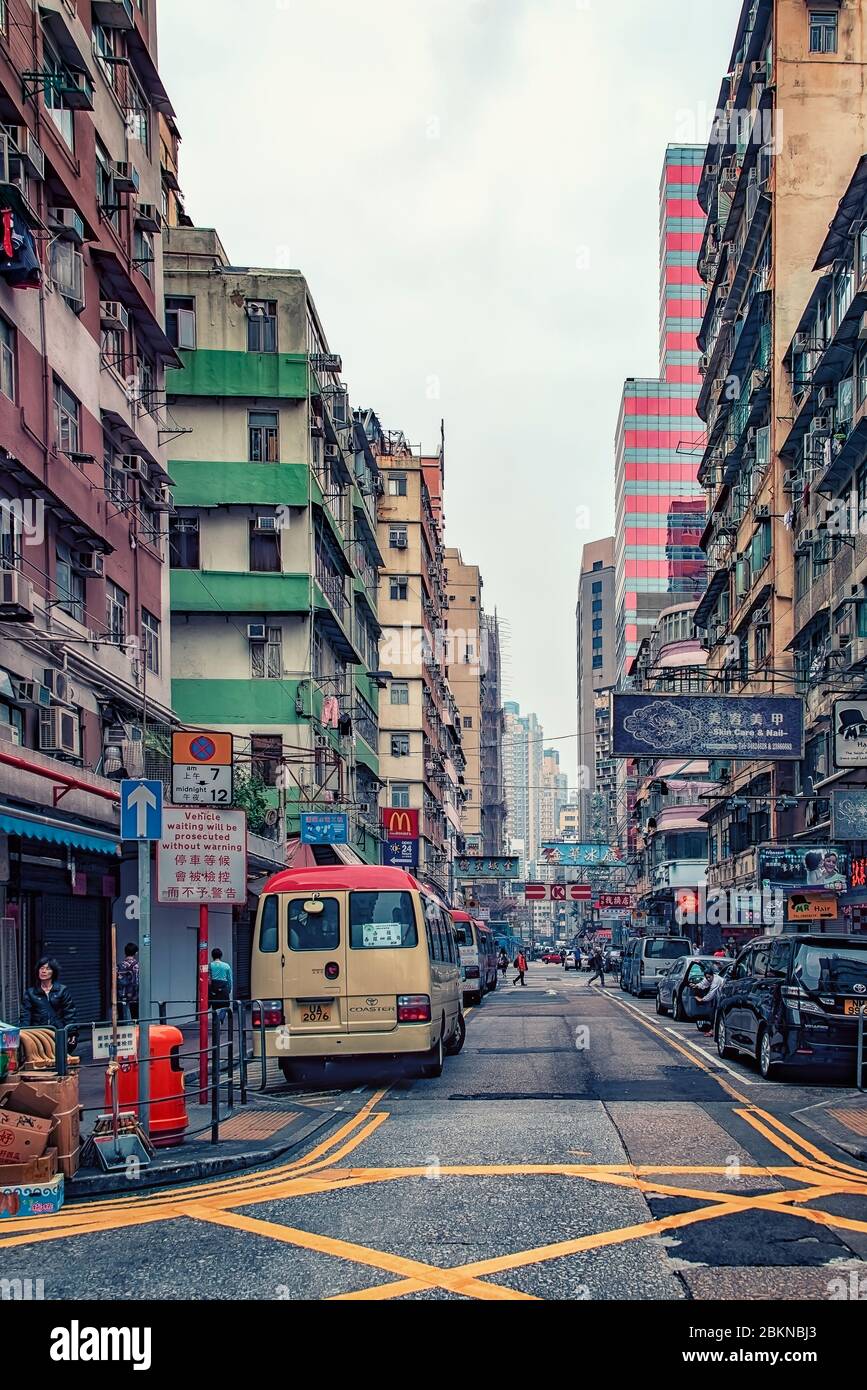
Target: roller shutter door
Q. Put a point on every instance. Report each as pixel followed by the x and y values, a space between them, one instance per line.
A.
pixel 73 932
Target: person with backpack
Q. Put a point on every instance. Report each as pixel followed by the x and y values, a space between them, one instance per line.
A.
pixel 520 964
pixel 597 966
pixel 127 984
pixel 219 983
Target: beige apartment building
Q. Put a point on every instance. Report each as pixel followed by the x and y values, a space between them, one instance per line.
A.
pixel 791 131
pixel 422 761
pixel 466 650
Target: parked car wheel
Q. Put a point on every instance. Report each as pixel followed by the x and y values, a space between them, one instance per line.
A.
pixel 455 1044
pixel 677 1007
pixel 722 1036
pixel 765 1057
pixel 660 1007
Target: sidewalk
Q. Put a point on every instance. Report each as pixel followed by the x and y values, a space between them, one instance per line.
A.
pixel 268 1126
pixel 843 1122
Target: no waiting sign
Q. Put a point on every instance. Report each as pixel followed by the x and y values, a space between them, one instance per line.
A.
pixel 202 769
pixel 202 856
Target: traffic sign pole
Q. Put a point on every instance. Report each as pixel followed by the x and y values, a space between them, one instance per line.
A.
pixel 144 980
pixel 203 1004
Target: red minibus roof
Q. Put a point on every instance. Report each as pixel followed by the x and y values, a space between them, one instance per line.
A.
pixel 358 877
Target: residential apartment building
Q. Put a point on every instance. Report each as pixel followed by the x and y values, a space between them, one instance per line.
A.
pixel 659 503
pixel 466 655
pixel 555 792
pixel 491 753
pixel 84 487
pixel 570 827
pixel 273 546
pixel 522 771
pixel 597 668
pixel 781 394
pixel 422 760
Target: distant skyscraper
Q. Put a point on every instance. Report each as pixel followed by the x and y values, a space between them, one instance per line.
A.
pixel 522 771
pixel 660 506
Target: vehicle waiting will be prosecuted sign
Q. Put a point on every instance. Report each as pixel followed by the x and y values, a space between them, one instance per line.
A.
pixel 202 856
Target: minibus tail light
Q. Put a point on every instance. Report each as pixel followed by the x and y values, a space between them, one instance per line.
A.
pixel 413 1008
pixel 272 1009
pixel 472 972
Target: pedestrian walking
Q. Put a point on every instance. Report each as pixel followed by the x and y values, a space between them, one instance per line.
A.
pixel 503 962
pixel 520 963
pixel 219 983
pixel 127 984
pixel 597 966
pixel 48 1003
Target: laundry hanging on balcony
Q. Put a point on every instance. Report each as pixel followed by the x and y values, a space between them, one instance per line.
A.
pixel 330 712
pixel 19 264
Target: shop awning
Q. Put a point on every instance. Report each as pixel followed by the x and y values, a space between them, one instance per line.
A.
pixel 57 832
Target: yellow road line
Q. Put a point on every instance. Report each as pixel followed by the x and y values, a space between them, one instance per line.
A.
pixel 456 1281
pixel 685 1052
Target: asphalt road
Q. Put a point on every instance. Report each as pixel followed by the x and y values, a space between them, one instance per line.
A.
pixel 578 1148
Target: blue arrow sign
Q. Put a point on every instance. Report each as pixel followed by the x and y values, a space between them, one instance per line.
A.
pixel 141 810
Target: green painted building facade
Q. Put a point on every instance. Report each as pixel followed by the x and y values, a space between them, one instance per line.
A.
pixel 273 550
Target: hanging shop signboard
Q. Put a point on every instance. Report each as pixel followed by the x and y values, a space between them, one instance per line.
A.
pixel 708 726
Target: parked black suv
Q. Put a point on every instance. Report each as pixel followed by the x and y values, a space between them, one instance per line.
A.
pixel 793 1001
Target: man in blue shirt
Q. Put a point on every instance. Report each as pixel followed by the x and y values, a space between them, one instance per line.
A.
pixel 219 983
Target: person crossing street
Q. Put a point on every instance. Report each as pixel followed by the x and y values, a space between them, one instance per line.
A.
pixel 520 964
pixel 597 965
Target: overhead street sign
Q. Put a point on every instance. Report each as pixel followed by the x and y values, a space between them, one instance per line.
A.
pixel 141 809
pixel 557 892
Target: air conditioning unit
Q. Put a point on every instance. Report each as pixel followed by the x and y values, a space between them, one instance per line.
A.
pixel 125 177
pixel 858 651
pixel 26 150
pixel 67 225
pixel 57 684
pixel 113 314
pixel 32 693
pixel 806 540
pixel 135 464
pixel 59 731
pixel 763 512
pixel 802 341
pixel 257 632
pixel 149 217
pixel 821 424
pixel 826 395
pixel 166 500
pixel 89 562
pixel 266 523
pixel 792 480
pixel 758 72
pixel 9 733
pixel 16 596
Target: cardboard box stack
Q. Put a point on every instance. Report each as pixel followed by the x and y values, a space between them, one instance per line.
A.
pixel 39 1124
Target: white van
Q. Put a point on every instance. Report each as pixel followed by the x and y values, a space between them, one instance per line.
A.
pixel 646 958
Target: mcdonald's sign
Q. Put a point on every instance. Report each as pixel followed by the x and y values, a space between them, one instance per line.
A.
pixel 399 823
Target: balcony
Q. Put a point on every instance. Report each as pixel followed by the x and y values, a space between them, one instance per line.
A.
pixel 224 591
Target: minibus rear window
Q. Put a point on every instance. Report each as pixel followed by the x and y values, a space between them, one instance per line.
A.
pixel 268 935
pixel 315 931
pixel 380 921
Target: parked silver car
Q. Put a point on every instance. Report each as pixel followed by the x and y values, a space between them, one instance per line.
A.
pixel 674 991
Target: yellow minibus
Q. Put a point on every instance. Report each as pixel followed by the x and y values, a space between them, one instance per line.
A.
pixel 356 961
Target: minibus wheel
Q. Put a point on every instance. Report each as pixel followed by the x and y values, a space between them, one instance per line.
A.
pixel 457 1041
pixel 432 1062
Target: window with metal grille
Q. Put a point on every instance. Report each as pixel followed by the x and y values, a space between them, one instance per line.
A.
pixel 261 325
pixel 264 436
pixel 184 543
pixel 266 755
pixel 150 637
pixel 66 418
pixel 116 611
pixel 267 657
pixel 400 745
pixel 823 31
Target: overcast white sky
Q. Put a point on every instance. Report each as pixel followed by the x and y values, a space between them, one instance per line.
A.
pixel 470 187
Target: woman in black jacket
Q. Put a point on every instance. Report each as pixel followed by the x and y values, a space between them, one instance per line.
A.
pixel 48 1003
